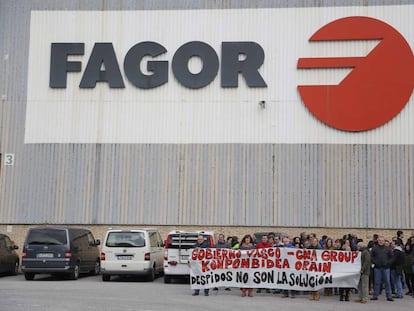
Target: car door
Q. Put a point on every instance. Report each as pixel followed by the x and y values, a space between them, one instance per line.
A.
pixel 11 254
pixel 158 250
pixel 93 251
pixel 3 255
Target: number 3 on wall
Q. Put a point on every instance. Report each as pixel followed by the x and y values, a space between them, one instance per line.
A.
pixel 9 159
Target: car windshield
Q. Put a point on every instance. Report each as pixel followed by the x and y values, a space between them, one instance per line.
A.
pixel 125 239
pixel 48 237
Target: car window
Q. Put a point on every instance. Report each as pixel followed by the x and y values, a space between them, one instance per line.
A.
pixel 81 241
pixel 160 242
pixel 91 240
pixel 46 236
pixel 8 241
pixel 153 239
pixel 125 239
pixel 2 243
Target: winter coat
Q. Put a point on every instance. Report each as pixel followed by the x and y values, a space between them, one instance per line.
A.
pixel 381 256
pixel 365 261
pixel 398 260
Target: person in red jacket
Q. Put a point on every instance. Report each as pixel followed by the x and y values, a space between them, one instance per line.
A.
pixel 264 244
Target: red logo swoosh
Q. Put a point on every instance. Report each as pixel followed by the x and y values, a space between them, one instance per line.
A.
pixel 378 87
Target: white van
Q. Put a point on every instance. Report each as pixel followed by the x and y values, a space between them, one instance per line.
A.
pixel 178 248
pixel 132 252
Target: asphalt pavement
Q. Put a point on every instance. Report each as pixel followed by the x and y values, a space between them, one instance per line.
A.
pixel 47 293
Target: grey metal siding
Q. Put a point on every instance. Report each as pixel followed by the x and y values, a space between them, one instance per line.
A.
pixel 269 185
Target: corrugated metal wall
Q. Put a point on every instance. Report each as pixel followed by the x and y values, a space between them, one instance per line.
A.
pixel 194 184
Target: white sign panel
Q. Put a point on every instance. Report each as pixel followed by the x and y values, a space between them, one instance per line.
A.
pixel 175 113
pixel 9 159
pixel 282 268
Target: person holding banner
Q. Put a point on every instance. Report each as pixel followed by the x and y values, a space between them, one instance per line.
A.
pixel 314 295
pixel 381 257
pixel 264 244
pixel 201 243
pixel 247 243
pixel 222 243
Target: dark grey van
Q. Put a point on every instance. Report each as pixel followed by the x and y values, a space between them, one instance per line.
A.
pixel 60 250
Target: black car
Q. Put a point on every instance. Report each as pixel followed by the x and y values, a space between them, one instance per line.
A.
pixel 60 250
pixel 9 259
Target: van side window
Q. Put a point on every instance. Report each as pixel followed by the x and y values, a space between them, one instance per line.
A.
pixel 160 241
pixel 153 239
pixel 91 239
pixel 8 242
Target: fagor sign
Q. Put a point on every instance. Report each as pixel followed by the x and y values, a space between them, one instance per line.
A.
pixel 103 65
pixel 374 92
pixel 334 77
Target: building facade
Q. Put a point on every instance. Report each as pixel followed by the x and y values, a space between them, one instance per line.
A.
pixel 191 113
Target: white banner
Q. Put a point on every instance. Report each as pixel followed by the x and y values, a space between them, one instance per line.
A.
pixel 282 268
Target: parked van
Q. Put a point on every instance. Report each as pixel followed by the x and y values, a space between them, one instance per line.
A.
pixel 178 248
pixel 132 252
pixel 60 250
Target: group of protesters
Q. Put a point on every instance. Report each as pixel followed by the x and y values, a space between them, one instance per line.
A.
pixel 385 264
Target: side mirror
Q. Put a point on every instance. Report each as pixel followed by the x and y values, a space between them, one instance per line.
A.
pixel 13 247
pixel 97 242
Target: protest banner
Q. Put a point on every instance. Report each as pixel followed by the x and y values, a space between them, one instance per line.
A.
pixel 282 268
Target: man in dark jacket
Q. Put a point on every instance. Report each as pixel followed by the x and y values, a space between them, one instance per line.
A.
pixel 381 257
pixel 365 270
pixel 201 243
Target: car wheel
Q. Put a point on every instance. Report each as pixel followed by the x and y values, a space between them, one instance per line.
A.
pixel 167 279
pixel 106 277
pixel 151 275
pixel 97 268
pixel 29 276
pixel 75 273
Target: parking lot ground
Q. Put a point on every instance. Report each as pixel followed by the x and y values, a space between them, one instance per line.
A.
pixel 48 293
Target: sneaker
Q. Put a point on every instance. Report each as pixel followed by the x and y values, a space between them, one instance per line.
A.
pixel 227 289
pixel 390 299
pixel 363 301
pixel 374 298
pixel 358 300
pixel 215 288
pixel 195 294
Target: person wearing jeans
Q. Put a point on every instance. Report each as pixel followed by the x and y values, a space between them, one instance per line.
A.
pixel 397 267
pixel 201 243
pixel 382 257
